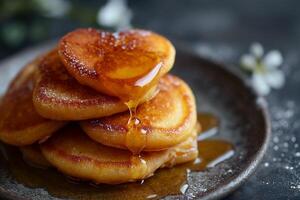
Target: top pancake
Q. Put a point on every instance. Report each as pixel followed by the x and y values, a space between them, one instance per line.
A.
pixel 57 95
pixel 125 64
pixel 160 123
pixel 20 124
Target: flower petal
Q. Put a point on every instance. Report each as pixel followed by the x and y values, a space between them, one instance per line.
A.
pixel 248 62
pixel 257 50
pixel 115 13
pixel 275 79
pixel 259 84
pixel 273 59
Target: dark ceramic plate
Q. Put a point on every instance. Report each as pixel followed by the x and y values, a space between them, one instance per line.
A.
pixel 243 121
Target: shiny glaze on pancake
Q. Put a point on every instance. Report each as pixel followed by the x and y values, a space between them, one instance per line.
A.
pixel 33 156
pixel 125 64
pixel 20 124
pixel 75 154
pixel 163 122
pixel 57 95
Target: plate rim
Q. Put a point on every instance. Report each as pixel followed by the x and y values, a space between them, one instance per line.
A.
pixel 242 177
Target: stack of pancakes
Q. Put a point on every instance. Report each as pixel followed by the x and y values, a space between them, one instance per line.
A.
pixel 101 107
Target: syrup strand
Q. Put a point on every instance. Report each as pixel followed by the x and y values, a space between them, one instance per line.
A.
pixel 135 138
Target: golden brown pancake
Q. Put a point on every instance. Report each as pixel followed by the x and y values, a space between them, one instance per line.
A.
pixel 20 124
pixel 164 121
pixel 32 155
pixel 57 95
pixel 75 154
pixel 125 64
pixel 185 151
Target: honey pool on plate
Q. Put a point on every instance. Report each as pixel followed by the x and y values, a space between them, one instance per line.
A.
pixel 165 182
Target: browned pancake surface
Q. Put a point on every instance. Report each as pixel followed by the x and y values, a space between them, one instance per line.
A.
pixel 57 95
pixel 75 154
pixel 164 121
pixel 126 64
pixel 20 124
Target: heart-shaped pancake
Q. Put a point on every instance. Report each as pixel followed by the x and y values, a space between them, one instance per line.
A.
pixel 57 95
pixel 20 124
pixel 125 64
pixel 164 121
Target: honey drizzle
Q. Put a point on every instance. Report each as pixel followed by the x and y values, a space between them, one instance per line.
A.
pixel 165 182
pixel 149 77
pixel 136 139
pixel 136 136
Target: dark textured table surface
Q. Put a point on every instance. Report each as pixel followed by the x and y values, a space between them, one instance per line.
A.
pixel 223 30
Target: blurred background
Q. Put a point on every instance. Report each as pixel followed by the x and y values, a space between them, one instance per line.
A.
pixel 222 30
pixel 275 23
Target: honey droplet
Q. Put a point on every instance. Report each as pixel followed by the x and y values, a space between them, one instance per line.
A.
pixel 137 160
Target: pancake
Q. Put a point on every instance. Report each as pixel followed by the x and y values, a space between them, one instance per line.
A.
pixel 161 123
pixel 184 152
pixel 76 155
pixel 33 156
pixel 57 95
pixel 125 64
pixel 20 124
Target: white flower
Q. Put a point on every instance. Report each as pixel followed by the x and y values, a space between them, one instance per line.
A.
pixel 265 72
pixel 115 13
